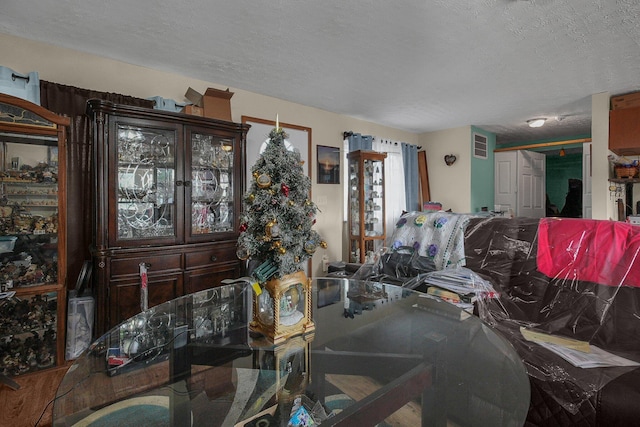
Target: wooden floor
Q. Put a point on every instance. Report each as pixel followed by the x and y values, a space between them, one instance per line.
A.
pixel 32 404
pixel 358 387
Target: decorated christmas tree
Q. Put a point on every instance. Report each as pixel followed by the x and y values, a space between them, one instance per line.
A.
pixel 278 215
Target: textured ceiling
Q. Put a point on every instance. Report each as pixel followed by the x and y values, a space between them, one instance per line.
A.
pixel 416 65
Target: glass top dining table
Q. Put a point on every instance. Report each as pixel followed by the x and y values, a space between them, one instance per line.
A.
pixel 379 355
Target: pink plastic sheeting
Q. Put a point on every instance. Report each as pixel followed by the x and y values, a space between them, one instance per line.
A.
pixel 604 252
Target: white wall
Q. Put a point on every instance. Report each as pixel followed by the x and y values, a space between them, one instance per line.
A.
pixel 602 205
pixel 87 71
pixel 449 185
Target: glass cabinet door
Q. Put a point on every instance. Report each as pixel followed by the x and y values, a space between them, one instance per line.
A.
pixel 366 204
pixel 145 182
pixel 33 237
pixel 373 188
pixel 28 213
pixel 354 199
pixel 211 160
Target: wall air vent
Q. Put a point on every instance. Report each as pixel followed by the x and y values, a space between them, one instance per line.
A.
pixel 479 146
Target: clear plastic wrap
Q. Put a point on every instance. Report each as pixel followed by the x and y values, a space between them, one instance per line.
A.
pixel 437 235
pixel 590 293
pixel 420 243
pixel 559 283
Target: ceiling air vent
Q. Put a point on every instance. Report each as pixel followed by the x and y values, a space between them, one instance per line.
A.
pixel 479 146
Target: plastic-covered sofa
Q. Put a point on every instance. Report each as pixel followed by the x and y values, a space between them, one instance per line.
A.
pixel 574 280
pixel 569 278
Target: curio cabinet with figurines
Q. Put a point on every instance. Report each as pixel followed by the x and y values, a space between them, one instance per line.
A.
pixel 167 200
pixel 32 237
pixel 366 204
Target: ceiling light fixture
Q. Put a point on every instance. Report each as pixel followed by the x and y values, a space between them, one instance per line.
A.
pixel 536 123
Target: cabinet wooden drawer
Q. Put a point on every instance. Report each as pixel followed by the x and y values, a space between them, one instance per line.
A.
pixel 205 278
pixel 155 263
pixel 125 295
pixel 211 256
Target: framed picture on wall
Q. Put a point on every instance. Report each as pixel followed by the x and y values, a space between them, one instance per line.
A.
pixel 328 165
pixel 299 140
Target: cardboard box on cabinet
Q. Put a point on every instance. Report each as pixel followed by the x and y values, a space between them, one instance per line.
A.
pixel 193 110
pixel 216 103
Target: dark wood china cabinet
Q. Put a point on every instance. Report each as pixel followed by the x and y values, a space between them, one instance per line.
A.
pixel 166 206
pixel 33 237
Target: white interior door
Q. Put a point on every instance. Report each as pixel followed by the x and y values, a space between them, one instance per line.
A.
pixel 505 180
pixel 520 183
pixel 586 180
pixel 531 184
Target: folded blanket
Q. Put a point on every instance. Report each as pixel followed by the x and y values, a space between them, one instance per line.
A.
pixel 439 236
pixel 604 252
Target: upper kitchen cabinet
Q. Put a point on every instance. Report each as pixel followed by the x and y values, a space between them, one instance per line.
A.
pixel 624 131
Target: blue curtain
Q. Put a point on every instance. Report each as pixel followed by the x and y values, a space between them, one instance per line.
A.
pixel 411 178
pixel 359 142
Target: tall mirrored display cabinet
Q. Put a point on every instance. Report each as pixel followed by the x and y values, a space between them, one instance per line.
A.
pixel 366 204
pixel 32 237
pixel 166 206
